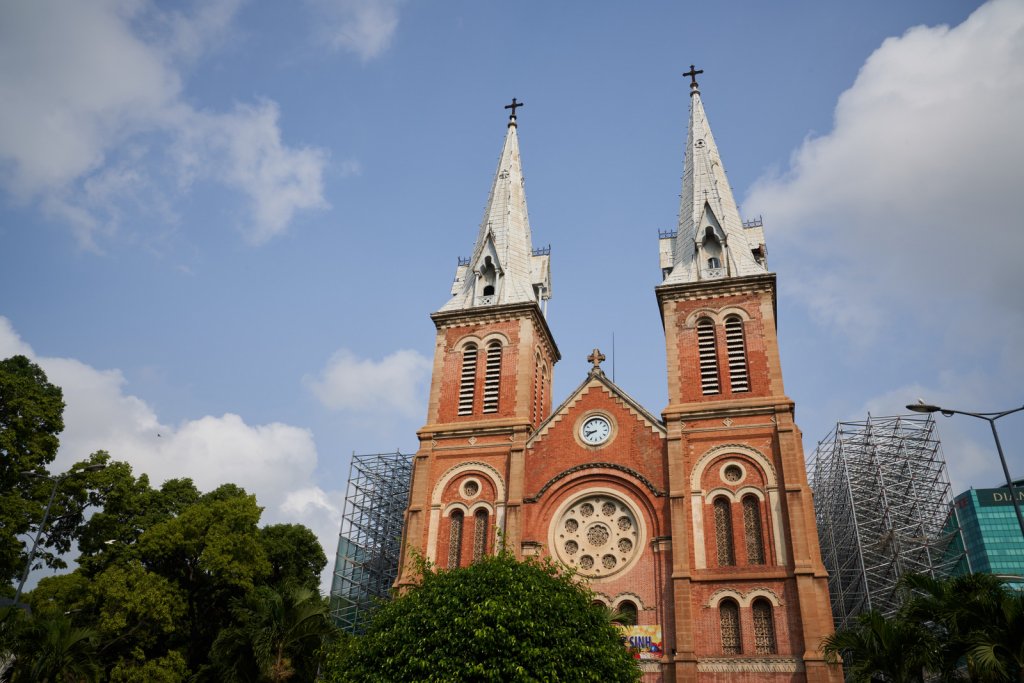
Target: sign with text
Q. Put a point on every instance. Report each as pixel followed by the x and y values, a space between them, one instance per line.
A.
pixel 989 497
pixel 644 640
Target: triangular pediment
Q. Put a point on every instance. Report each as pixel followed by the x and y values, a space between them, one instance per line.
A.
pixel 598 382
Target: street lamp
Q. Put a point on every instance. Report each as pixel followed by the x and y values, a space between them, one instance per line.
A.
pixel 46 514
pixel 991 418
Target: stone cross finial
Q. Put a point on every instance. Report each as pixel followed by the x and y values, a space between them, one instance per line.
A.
pixel 692 73
pixel 513 107
pixel 596 357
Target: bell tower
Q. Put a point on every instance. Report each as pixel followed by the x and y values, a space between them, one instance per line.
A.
pixel 491 384
pixel 749 588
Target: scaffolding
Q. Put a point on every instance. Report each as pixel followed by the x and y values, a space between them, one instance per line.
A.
pixel 370 535
pixel 883 508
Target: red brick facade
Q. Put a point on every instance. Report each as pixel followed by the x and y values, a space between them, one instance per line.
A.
pixel 701 519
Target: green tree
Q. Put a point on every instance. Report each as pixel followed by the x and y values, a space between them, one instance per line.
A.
pixel 294 554
pixel 496 620
pixel 53 650
pixel 211 552
pixel 31 417
pixel 956 610
pixel 879 648
pixel 277 636
pixel 998 651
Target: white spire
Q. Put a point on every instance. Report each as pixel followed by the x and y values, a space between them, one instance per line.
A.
pixel 711 241
pixel 503 268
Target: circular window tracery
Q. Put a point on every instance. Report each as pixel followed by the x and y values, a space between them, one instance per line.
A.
pixel 733 473
pixel 470 488
pixel 597 534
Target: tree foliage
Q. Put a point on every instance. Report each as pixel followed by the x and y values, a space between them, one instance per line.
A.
pixel 496 620
pixel 31 417
pixel 963 628
pixel 162 572
pixel 277 636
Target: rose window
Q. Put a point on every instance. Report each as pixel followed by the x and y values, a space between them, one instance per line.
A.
pixel 598 535
pixel 733 473
pixel 470 488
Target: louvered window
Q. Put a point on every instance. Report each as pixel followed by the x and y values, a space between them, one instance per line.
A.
pixel 708 356
pixel 729 615
pixel 492 379
pixel 535 412
pixel 764 628
pixel 752 530
pixel 723 532
pixel 467 385
pixel 739 380
pixel 455 540
pixel 540 396
pixel 479 534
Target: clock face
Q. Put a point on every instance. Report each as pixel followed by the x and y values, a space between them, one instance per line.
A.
pixel 595 430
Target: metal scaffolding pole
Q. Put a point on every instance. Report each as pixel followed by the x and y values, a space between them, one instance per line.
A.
pixel 883 507
pixel 370 536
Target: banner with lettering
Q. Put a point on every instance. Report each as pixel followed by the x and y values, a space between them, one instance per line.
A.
pixel 645 641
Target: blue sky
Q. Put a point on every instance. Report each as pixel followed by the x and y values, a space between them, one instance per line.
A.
pixel 224 224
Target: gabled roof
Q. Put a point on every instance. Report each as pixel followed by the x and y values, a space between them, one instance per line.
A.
pixel 504 242
pixel 596 379
pixel 707 200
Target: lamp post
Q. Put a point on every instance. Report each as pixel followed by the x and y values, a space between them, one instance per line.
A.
pixel 991 419
pixel 46 514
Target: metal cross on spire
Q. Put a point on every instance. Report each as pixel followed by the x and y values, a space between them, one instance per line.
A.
pixel 595 358
pixel 513 107
pixel 692 73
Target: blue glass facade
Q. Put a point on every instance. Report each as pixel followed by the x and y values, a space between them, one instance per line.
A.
pixel 992 535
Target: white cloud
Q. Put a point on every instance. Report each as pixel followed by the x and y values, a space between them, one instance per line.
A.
pixel 243 149
pixel 364 27
pixel 909 209
pixel 274 461
pixel 89 87
pixel 395 383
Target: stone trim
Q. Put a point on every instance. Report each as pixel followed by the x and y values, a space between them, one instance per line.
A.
pixel 750 664
pixel 591 466
pixel 499 313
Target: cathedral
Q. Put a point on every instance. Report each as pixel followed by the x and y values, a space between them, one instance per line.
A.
pixel 697 524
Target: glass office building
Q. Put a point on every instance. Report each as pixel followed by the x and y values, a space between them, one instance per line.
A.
pixel 993 537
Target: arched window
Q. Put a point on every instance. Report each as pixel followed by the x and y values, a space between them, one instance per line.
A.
pixel 492 378
pixel 764 627
pixel 752 529
pixel 739 380
pixel 708 356
pixel 723 532
pixel 488 279
pixel 729 616
pixel 713 250
pixel 629 612
pixel 455 539
pixel 480 527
